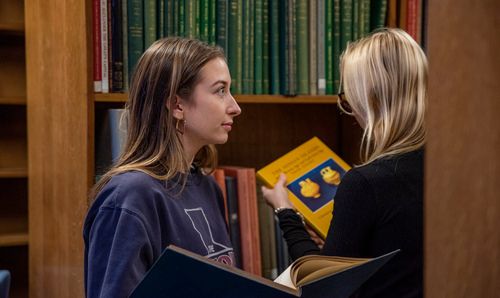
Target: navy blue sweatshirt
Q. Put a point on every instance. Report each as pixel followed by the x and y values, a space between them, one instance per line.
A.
pixel 133 219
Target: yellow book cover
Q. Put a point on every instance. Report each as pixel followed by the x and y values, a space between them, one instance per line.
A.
pixel 313 173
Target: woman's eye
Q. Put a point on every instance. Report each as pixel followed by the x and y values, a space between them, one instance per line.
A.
pixel 221 91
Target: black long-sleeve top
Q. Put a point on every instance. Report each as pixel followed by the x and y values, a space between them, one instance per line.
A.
pixel 378 208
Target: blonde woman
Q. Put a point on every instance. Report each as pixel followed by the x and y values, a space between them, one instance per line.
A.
pixel 158 192
pixel 378 206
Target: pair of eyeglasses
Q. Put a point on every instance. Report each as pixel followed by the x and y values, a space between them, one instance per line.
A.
pixel 343 105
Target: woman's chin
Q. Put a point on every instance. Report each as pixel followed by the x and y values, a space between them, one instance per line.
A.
pixel 222 139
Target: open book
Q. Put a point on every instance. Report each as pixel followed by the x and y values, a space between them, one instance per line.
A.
pixel 180 273
pixel 338 276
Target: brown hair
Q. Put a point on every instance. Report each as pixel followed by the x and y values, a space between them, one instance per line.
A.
pixel 170 67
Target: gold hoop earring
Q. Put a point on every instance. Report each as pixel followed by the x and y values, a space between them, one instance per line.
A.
pixel 180 127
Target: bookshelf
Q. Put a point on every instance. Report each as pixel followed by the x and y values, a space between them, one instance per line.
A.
pixel 63 111
pixel 62 116
pixel 14 236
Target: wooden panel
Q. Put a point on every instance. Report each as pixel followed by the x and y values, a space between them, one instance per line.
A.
pixel 60 138
pixel 262 133
pixel 462 170
pixel 11 11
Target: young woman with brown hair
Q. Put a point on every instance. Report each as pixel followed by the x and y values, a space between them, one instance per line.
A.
pixel 158 193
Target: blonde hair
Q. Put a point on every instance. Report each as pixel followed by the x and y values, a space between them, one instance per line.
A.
pixel 384 78
pixel 170 67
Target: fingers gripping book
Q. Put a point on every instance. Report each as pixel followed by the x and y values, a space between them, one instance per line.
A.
pixel 313 174
pixel 180 273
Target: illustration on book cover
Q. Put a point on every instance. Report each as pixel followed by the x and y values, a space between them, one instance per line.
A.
pixel 318 186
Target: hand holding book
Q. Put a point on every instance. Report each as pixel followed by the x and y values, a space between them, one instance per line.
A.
pixel 277 197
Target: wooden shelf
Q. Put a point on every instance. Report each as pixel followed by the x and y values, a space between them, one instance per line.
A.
pixel 15 239
pixel 13 173
pixel 13 100
pixel 250 98
pixel 12 28
pixel 14 230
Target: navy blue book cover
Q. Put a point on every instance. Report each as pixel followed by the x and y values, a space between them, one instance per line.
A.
pixel 180 273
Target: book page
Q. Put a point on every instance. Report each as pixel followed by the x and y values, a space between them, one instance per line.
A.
pixel 312 267
pixel 285 278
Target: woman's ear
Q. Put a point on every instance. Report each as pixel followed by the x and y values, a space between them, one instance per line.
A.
pixel 176 108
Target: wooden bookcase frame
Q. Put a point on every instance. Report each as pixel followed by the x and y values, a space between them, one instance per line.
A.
pixel 62 105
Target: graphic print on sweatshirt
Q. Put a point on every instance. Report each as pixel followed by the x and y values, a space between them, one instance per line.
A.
pixel 215 250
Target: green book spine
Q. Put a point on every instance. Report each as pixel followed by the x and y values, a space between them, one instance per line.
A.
pixel 365 16
pixel 329 44
pixel 175 18
pixel 336 45
pixel 182 19
pixel 135 32
pixel 190 19
pixel 284 47
pixel 378 14
pixel 239 46
pixel 274 50
pixel 345 23
pixel 222 25
pixel 234 44
pixel 212 22
pixel 251 64
pixel 149 22
pixel 167 23
pixel 197 18
pixel 259 41
pixel 302 42
pixel 292 52
pixel 265 47
pixel 355 19
pixel 160 19
pixel 313 44
pixel 361 19
pixel 247 49
pixel 320 47
pixel 204 10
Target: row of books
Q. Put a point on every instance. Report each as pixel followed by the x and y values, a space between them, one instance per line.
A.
pixel 273 47
pixel 255 234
